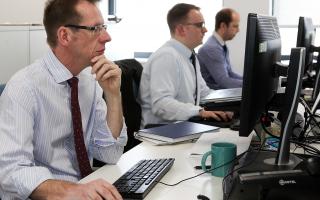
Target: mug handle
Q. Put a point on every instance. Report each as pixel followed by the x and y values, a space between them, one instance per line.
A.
pixel 204 159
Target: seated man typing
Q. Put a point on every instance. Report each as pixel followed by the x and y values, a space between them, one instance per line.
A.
pixel 171 83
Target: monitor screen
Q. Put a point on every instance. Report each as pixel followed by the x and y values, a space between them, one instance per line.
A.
pixel 263 50
pixel 305 38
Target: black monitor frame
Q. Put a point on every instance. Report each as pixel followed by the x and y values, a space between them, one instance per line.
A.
pixel 305 38
pixel 260 82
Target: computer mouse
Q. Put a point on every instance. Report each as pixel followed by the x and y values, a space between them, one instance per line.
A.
pixel 313 165
pixel 202 197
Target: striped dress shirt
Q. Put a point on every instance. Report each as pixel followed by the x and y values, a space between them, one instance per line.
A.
pixel 36 129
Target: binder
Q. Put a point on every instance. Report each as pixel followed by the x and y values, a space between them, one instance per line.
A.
pixel 176 132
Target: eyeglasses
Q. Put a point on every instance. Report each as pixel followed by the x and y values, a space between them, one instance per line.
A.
pixel 97 30
pixel 198 24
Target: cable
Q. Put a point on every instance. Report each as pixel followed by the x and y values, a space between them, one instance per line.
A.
pixel 231 161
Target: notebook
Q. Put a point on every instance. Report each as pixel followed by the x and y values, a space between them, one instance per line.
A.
pixel 176 132
pixel 223 95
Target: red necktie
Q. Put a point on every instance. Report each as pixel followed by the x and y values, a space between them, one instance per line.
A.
pixel 81 151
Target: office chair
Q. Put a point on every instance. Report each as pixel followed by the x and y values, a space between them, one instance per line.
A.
pixel 2 86
pixel 130 81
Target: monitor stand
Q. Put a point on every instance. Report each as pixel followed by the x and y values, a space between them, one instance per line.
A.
pixel 260 179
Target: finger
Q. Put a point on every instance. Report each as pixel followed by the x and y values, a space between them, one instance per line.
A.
pixel 102 71
pixel 99 64
pixel 95 196
pixel 215 116
pixel 222 115
pixel 110 74
pixel 230 115
pixel 96 58
pixel 109 192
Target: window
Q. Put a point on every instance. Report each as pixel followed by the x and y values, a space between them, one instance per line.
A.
pixel 288 13
pixel 144 28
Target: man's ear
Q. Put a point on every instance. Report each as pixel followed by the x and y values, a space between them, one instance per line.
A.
pixel 63 35
pixel 223 26
pixel 180 30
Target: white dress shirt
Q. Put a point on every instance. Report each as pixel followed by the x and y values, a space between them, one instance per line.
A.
pixel 168 85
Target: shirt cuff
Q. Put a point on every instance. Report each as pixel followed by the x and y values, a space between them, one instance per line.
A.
pixel 26 180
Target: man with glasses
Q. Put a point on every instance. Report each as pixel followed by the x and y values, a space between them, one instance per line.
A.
pixel 53 120
pixel 171 84
pixel 214 55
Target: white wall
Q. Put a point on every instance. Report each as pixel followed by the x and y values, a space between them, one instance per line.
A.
pixel 31 11
pixel 237 45
pixel 21 11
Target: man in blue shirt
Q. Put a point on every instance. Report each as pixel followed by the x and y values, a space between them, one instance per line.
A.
pixel 214 55
pixel 45 138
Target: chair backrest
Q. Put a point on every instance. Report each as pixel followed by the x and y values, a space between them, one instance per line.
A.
pixel 130 81
pixel 2 86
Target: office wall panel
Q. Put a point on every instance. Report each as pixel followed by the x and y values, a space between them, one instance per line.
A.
pixel 21 11
pixel 237 45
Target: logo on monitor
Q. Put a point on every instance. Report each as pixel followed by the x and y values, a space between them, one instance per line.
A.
pixel 286 182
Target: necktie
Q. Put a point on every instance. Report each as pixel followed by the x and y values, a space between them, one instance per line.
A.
pixel 225 49
pixel 193 61
pixel 81 151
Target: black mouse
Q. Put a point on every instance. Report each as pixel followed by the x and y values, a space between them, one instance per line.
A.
pixel 313 165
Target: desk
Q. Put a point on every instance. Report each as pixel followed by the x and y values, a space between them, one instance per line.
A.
pixel 182 168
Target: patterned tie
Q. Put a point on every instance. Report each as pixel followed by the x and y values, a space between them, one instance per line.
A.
pixel 81 151
pixel 193 61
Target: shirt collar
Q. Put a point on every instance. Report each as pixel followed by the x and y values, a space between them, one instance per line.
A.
pixel 219 38
pixel 184 50
pixel 58 71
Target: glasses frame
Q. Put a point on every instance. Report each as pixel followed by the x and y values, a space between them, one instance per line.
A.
pixel 197 24
pixel 95 29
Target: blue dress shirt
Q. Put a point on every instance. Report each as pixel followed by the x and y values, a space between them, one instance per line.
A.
pixel 36 127
pixel 215 65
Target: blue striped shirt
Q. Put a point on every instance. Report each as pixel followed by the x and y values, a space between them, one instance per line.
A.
pixel 36 127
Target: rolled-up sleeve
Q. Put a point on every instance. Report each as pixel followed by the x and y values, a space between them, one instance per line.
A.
pixel 104 146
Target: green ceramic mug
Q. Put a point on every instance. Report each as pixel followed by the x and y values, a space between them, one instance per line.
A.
pixel 221 153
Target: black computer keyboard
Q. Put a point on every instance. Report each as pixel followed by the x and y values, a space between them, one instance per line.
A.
pixel 212 122
pixel 137 182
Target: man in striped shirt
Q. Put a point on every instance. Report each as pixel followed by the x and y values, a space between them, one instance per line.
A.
pixel 38 158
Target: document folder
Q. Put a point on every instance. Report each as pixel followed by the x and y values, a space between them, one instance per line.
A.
pixel 176 132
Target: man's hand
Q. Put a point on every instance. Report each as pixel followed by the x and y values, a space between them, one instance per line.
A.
pixel 217 115
pixel 107 73
pixel 54 189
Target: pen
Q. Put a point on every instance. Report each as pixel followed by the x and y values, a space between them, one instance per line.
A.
pixel 199 167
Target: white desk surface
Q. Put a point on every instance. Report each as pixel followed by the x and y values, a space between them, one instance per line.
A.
pixel 182 168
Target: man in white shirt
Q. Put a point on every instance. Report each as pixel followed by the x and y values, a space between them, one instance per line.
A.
pixel 171 84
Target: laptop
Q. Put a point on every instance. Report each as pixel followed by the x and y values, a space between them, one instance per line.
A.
pixel 223 95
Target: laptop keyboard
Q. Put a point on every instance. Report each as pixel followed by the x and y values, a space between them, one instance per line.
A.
pixel 138 181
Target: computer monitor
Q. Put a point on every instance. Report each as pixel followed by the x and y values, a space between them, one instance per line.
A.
pixel 264 174
pixel 305 38
pixel 260 82
pixel 263 50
